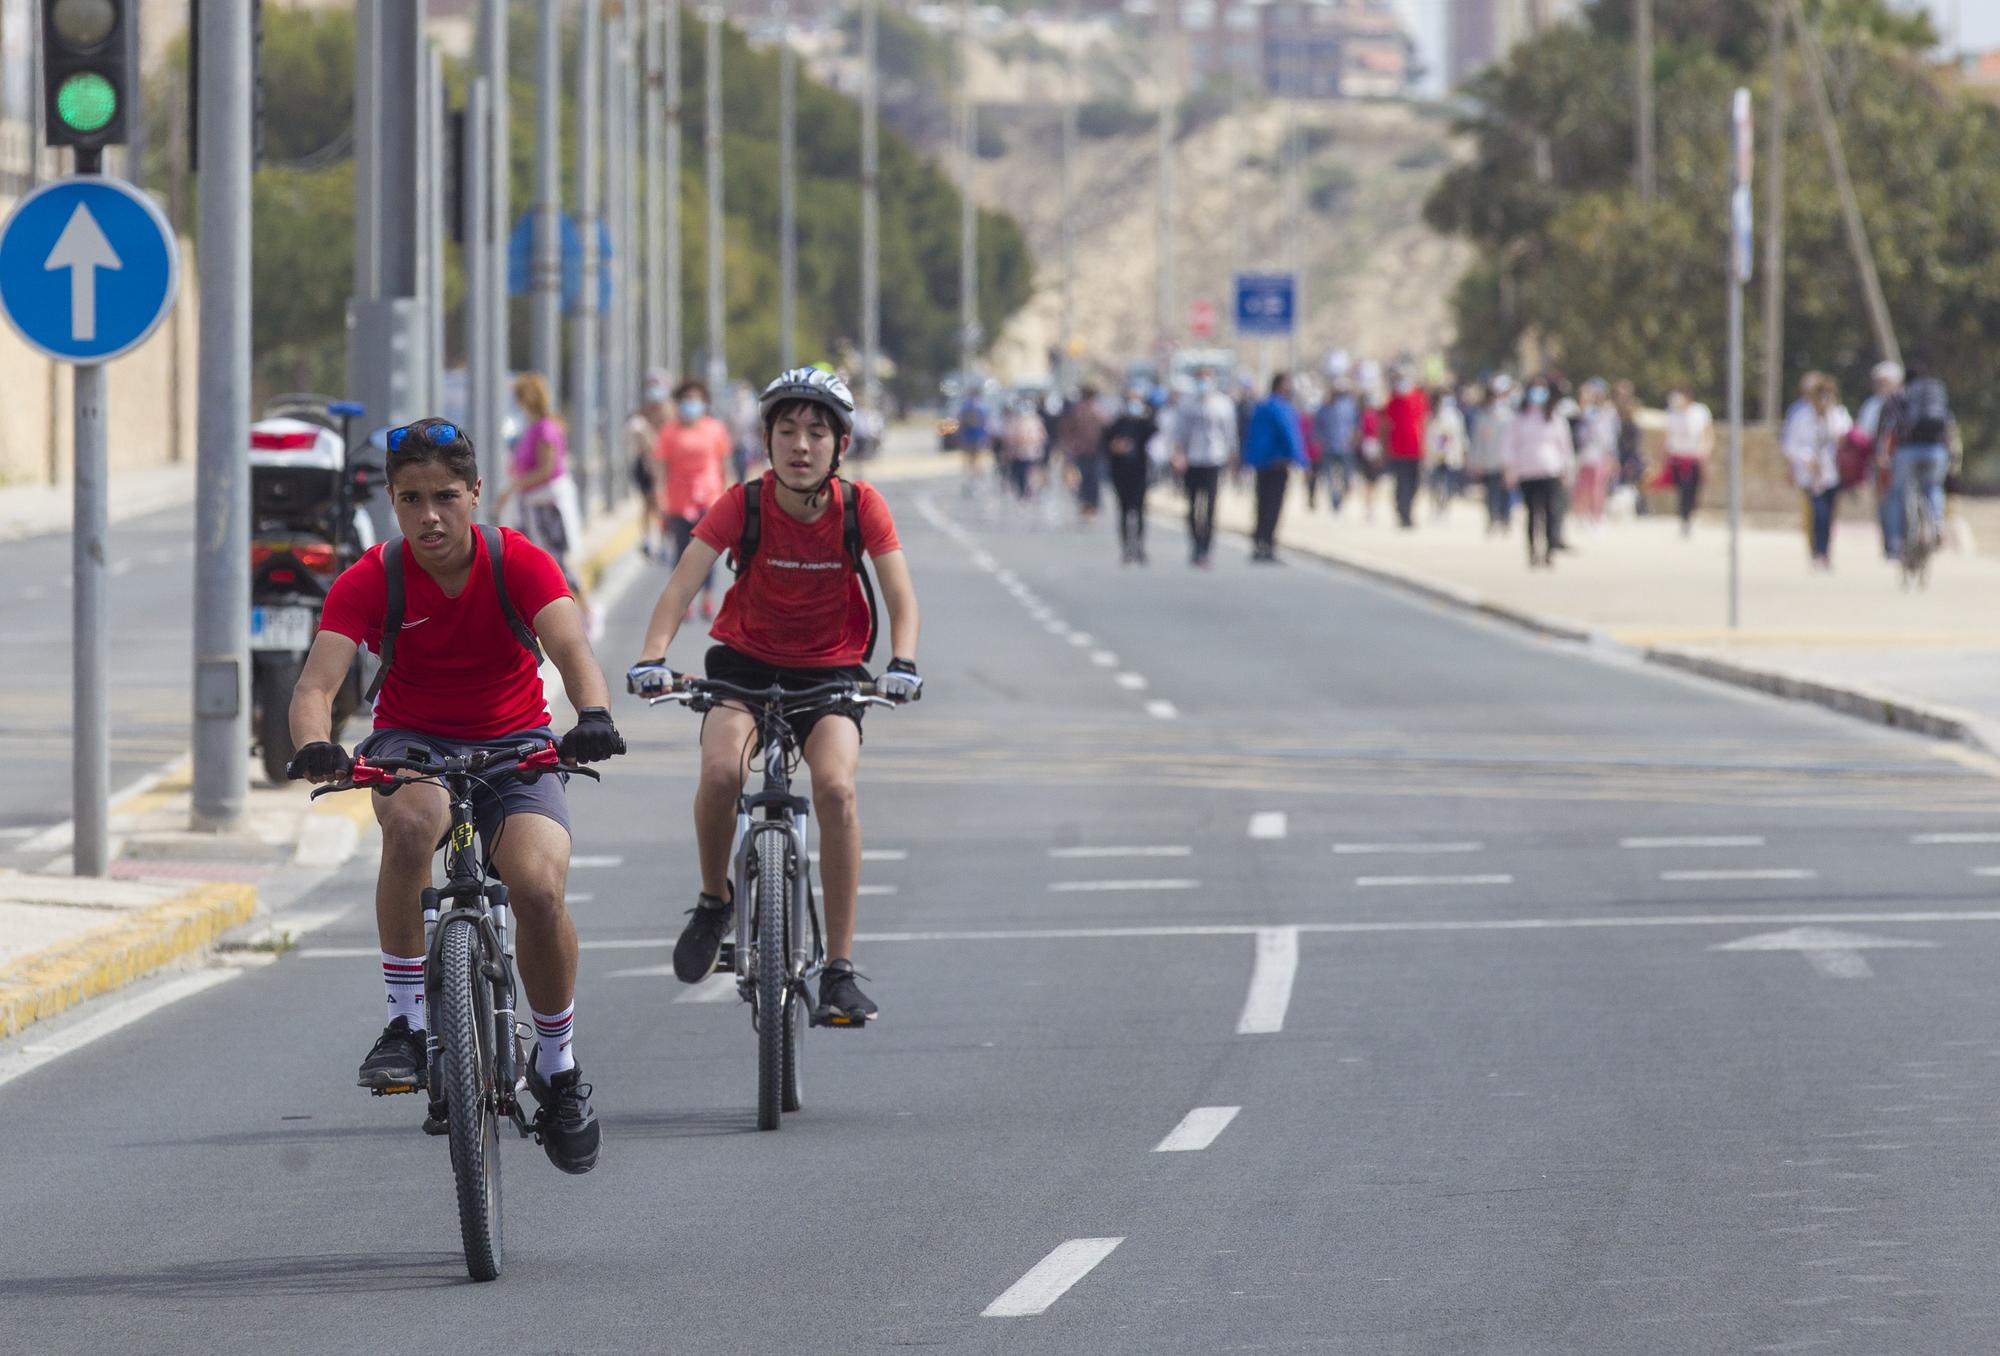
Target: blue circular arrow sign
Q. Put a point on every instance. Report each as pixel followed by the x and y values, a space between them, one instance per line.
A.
pixel 88 269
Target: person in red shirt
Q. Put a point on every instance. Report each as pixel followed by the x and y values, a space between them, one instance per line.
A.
pixel 460 679
pixel 693 456
pixel 797 617
pixel 1407 414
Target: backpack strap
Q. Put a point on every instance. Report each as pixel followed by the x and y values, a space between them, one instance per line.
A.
pixel 392 619
pixel 850 536
pixel 496 552
pixel 753 525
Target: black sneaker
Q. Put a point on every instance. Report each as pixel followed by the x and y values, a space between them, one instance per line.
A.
pixel 841 1002
pixel 566 1126
pixel 396 1064
pixel 700 946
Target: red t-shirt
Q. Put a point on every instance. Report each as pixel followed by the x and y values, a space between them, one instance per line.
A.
pixel 1407 412
pixel 459 673
pixel 799 605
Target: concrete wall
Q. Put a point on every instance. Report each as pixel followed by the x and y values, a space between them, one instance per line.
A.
pixel 152 398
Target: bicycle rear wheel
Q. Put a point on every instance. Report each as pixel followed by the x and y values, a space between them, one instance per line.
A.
pixel 466 1064
pixel 771 976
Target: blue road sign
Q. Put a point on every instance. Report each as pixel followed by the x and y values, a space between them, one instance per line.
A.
pixel 88 269
pixel 1264 303
pixel 520 260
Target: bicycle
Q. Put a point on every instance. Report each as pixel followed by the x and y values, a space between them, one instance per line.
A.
pixel 1921 535
pixel 772 958
pixel 474 1056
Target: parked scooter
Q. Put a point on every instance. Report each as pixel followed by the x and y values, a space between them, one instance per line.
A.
pixel 307 524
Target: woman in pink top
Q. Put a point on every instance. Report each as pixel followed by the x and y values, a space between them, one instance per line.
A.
pixel 551 513
pixel 693 454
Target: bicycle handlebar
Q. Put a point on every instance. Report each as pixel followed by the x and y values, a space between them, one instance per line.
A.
pixel 692 690
pixel 525 761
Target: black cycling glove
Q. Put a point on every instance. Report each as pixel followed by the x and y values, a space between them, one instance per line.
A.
pixel 594 739
pixel 319 761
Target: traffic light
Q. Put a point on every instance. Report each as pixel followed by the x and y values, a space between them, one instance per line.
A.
pixel 90 70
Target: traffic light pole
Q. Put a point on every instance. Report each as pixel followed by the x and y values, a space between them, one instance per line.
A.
pixel 222 476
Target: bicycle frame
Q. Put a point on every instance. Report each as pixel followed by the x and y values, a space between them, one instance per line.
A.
pixel 789 814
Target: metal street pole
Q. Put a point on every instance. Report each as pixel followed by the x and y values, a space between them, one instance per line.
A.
pixel 968 213
pixel 545 333
pixel 222 473
pixel 585 407
pixel 1741 257
pixel 1163 219
pixel 434 112
pixel 90 631
pixel 620 386
pixel 656 189
pixel 1294 195
pixel 479 299
pixel 386 333
pixel 1066 325
pixel 871 207
pixel 1649 185
pixel 788 190
pixel 494 211
pixel 671 286
pixel 711 135
pixel 1772 406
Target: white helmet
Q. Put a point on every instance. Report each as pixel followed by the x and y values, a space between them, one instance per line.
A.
pixel 810 383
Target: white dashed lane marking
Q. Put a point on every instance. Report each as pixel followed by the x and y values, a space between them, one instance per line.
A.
pixel 1366 882
pixel 1061 887
pixel 1050 1278
pixel 1162 850
pixel 1718 841
pixel 1132 682
pixel 1944 839
pixel 1271 975
pixel 1197 1130
pixel 1162 710
pixel 1369 849
pixel 1748 873
pixel 1268 824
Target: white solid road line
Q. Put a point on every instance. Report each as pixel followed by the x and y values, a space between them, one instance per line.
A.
pixel 587 862
pixel 1162 710
pixel 1164 850
pixel 1940 839
pixel 1720 840
pixel 41 1048
pixel 1268 824
pixel 1366 882
pixel 1748 873
pixel 1270 982
pixel 1197 1129
pixel 1077 886
pixel 1049 1278
pixel 1366 849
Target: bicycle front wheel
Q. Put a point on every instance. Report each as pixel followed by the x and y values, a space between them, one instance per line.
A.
pixel 772 976
pixel 466 1063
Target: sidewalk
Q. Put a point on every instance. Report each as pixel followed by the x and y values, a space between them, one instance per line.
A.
pixel 34 510
pixel 1852 640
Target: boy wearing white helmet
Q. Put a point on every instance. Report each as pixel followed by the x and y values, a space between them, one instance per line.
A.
pixel 798 615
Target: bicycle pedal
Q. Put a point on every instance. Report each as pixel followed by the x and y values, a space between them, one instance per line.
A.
pixel 839 1019
pixel 393 1089
pixel 725 963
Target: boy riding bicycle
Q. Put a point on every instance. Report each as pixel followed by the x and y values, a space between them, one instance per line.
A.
pixel 798 615
pixel 459 634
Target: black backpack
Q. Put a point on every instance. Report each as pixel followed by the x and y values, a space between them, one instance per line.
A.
pixel 1926 413
pixel 392 624
pixel 850 540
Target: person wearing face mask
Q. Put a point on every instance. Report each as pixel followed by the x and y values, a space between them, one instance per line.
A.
pixel 1125 443
pixel 1540 456
pixel 1690 442
pixel 693 456
pixel 642 435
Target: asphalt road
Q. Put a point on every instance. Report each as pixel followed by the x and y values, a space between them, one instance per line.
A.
pixel 1409 921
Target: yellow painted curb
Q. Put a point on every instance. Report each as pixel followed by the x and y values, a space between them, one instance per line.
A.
pixel 592 569
pixel 44 983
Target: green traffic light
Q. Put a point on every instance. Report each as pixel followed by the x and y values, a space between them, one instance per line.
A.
pixel 86 102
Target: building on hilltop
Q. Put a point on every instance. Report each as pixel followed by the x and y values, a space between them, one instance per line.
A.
pixel 1309 49
pixel 1481 32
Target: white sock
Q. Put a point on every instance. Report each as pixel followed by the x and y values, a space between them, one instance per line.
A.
pixel 553 1036
pixel 404 977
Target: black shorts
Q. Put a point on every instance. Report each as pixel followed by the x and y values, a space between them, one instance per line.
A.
pixel 733 666
pixel 544 796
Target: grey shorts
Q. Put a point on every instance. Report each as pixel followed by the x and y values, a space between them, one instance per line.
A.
pixel 544 796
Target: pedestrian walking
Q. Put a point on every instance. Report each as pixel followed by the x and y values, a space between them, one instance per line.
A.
pixel 1690 443
pixel 1272 450
pixel 1022 442
pixel 1407 415
pixel 1596 431
pixel 975 434
pixel 1126 442
pixel 1487 459
pixel 1446 453
pixel 1207 444
pixel 693 457
pixel 1540 456
pixel 1082 426
pixel 541 490
pixel 1814 431
pixel 1920 423
pixel 1631 445
pixel 1337 422
pixel 642 434
pixel 1887 380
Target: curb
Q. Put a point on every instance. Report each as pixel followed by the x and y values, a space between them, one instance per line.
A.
pixel 45 983
pixel 590 570
pixel 1859 703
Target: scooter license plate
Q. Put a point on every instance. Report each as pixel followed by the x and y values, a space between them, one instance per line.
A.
pixel 281 628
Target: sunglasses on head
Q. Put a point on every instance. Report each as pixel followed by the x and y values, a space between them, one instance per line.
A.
pixel 439 432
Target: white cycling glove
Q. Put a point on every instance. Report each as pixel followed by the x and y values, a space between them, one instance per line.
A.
pixel 901 683
pixel 649 678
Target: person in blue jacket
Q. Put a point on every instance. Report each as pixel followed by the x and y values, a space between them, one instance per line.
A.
pixel 1272 447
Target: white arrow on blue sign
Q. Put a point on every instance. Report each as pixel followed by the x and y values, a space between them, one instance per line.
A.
pixel 88 269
